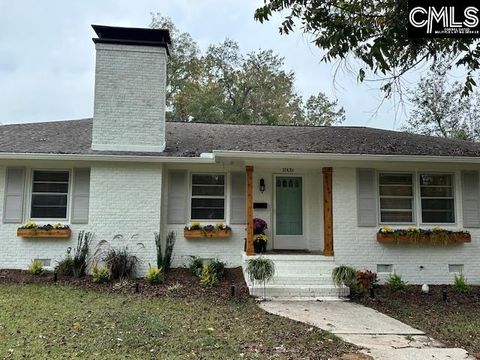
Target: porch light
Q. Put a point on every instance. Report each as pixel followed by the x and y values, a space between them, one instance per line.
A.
pixel 262 185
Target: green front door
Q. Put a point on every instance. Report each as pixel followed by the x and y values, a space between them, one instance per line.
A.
pixel 289 217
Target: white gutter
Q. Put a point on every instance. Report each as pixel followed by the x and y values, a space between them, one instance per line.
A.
pixel 211 158
pixel 341 157
pixel 203 159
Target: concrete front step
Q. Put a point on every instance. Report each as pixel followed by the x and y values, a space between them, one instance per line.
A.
pixel 302 280
pixel 298 277
pixel 299 291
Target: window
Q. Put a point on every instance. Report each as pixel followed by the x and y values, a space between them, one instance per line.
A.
pixel 396 198
pixel 49 194
pixel 208 197
pixel 384 268
pixel 436 192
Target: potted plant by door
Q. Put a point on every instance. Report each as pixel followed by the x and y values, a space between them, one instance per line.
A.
pixel 259 236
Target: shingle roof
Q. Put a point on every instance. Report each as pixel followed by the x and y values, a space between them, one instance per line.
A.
pixel 192 139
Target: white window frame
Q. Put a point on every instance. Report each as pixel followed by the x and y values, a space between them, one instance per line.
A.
pixel 453 197
pixel 224 197
pixel 413 197
pixel 417 198
pixel 30 195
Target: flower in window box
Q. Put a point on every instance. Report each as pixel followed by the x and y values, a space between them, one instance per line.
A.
pixel 29 225
pixel 222 227
pixel 209 228
pixel 386 230
pixel 193 226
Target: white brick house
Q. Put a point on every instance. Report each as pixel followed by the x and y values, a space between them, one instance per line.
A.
pixel 324 191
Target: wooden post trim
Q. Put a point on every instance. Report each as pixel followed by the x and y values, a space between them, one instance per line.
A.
pixel 249 206
pixel 327 212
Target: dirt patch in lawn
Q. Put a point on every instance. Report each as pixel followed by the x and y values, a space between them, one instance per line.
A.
pixel 455 322
pixel 179 282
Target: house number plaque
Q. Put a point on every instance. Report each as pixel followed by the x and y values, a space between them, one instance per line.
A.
pixel 288 170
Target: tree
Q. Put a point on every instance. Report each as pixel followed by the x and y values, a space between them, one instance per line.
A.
pixel 440 110
pixel 375 33
pixel 321 111
pixel 225 86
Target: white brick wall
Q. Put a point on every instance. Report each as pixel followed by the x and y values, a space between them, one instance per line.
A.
pixel 129 109
pixel 124 199
pixel 357 246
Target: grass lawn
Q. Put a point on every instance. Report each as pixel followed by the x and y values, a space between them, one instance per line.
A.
pixel 455 322
pixel 59 321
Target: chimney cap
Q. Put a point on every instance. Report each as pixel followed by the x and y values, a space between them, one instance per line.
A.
pixel 132 36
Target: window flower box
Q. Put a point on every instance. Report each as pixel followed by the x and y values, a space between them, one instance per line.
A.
pixel 207 234
pixel 32 230
pixel 36 233
pixel 435 236
pixel 207 231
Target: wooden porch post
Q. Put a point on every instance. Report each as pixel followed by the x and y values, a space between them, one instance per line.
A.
pixel 327 212
pixel 249 206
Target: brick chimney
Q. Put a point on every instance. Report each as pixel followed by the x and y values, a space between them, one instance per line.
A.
pixel 130 87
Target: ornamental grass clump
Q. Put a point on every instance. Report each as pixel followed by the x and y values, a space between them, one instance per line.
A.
pixel 460 284
pixel 77 264
pixel 121 262
pixel 260 269
pixel 395 282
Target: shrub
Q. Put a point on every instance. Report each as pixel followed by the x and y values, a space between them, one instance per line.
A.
pixel 460 284
pixel 100 274
pixel 395 282
pixel 196 266
pixel 218 267
pixel 80 254
pixel 363 281
pixel 212 272
pixel 345 275
pixel 76 265
pixel 35 267
pixel 65 266
pixel 164 260
pixel 120 261
pixel 154 275
pixel 208 276
pixel 366 279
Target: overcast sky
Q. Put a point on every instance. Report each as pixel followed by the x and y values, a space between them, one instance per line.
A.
pixel 47 57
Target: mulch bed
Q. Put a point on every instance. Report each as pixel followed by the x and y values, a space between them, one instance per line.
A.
pixel 455 322
pixel 179 282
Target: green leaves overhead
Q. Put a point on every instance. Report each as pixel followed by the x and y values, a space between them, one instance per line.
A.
pixel 374 32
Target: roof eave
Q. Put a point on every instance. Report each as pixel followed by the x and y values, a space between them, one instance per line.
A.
pixel 252 155
pixel 203 159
